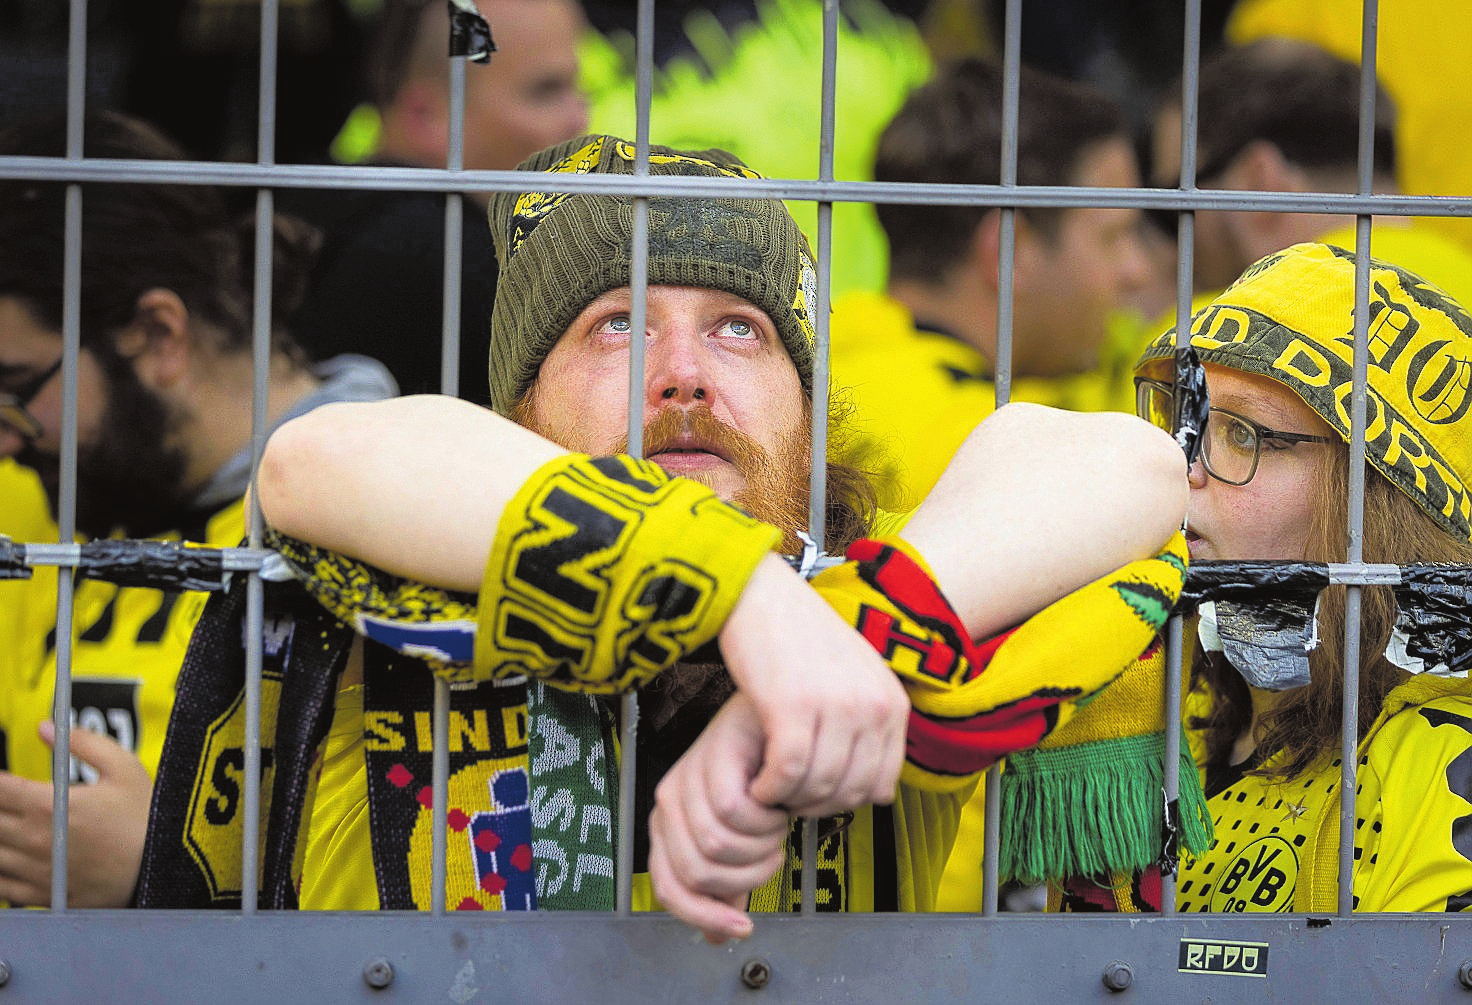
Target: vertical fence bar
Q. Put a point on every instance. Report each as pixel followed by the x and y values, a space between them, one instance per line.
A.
pixel 266 85
pixel 1185 255
pixel 1011 89
pixel 439 770
pixel 1002 372
pixel 454 258
pixel 638 323
pixel 818 472
pixel 260 398
pixel 818 480
pixel 454 235
pixel 439 781
pixel 1349 722
pixel 255 592
pixel 66 516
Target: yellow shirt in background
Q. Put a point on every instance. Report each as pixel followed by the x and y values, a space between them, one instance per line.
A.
pixel 916 394
pixel 1421 59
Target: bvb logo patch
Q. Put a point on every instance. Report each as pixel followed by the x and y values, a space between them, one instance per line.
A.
pixel 1439 384
pixel 1261 878
pixel 807 296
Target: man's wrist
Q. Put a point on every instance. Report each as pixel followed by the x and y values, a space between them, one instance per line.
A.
pixel 605 571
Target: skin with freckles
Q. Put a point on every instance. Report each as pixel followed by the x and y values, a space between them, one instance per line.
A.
pixel 1269 517
pixel 704 348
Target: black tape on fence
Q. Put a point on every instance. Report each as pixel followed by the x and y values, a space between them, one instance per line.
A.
pixel 162 565
pixel 1434 615
pixel 13 560
pixel 1252 583
pixel 1272 602
pixel 1193 404
pixel 470 35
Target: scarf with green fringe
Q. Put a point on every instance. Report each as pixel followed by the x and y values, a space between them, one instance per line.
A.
pixel 1089 800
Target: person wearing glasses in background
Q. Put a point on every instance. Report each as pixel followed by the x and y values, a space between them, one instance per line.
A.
pixel 163 412
pixel 1264 723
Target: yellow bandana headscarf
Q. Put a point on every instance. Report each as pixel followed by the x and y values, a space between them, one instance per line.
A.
pixel 1291 317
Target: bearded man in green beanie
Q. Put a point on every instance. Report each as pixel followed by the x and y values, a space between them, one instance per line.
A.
pixel 541 568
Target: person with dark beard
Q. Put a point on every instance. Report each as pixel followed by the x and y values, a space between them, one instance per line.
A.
pixel 530 560
pixel 163 413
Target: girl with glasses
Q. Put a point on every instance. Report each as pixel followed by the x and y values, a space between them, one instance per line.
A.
pixel 1264 722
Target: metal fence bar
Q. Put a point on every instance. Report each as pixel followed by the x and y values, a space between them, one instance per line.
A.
pixel 638 323
pixel 449 384
pixel 941 959
pixel 117 562
pixel 818 483
pixel 1175 649
pixel 67 490
pixel 54 948
pixel 1006 269
pixel 66 521
pixel 260 396
pixel 255 595
pixel 817 473
pixel 810 190
pixel 454 233
pixel 991 782
pixel 1353 599
pixel 266 86
pixel 439 780
pixel 66 502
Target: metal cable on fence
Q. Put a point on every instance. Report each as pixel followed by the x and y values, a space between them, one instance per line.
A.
pixel 1433 598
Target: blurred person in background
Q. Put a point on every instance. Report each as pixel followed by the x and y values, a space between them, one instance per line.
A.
pixel 379 288
pixel 918 361
pixel 164 380
pixel 1279 115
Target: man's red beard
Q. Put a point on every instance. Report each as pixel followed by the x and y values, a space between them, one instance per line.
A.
pixel 776 484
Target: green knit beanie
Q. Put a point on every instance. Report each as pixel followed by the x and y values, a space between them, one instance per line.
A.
pixel 560 251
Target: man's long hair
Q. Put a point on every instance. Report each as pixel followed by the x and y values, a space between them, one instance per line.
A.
pixel 852 501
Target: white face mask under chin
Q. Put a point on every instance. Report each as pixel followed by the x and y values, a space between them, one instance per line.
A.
pixel 1270 658
pixel 1276 658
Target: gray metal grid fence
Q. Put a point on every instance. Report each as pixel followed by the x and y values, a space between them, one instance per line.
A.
pixel 251 955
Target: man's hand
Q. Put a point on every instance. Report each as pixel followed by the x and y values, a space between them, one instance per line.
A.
pixel 107 821
pixel 710 842
pixel 833 714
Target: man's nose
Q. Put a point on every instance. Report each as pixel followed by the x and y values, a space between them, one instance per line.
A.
pixel 1196 474
pixel 1134 266
pixel 677 370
